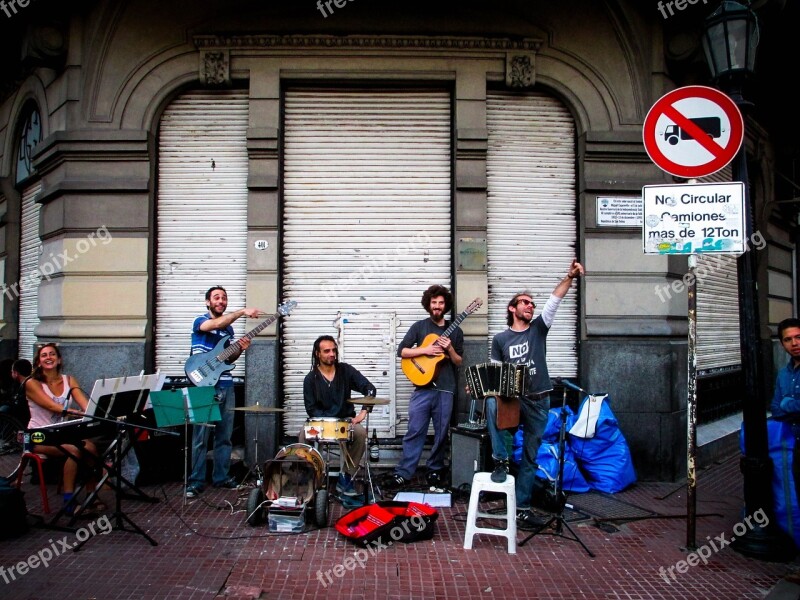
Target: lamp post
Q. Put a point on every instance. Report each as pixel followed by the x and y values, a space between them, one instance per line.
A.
pixel 729 41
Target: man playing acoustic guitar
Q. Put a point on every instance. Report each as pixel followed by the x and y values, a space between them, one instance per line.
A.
pixel 435 399
pixel 208 329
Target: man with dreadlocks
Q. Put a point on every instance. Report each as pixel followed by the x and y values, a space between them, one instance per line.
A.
pixel 326 391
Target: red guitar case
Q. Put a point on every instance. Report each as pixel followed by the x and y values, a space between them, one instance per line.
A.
pixel 388 521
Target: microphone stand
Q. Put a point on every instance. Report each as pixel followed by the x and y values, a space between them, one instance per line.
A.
pixel 561 498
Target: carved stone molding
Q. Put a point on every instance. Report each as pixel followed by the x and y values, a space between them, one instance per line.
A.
pixel 357 41
pixel 215 67
pixel 520 70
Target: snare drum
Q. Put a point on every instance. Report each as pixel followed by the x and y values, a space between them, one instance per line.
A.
pixel 329 429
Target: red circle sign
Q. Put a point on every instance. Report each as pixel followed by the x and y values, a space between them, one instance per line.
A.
pixel 693 131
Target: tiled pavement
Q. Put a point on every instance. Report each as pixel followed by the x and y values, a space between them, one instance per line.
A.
pixel 205 550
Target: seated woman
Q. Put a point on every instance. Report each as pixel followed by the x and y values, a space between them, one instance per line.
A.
pixel 50 395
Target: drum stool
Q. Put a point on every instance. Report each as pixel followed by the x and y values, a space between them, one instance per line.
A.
pixel 482 482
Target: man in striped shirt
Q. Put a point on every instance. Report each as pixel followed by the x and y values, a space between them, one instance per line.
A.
pixel 208 329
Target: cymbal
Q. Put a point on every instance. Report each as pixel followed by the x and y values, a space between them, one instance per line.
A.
pixel 369 401
pixel 260 409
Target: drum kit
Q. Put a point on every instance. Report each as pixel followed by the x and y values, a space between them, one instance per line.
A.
pixel 324 430
pixel 333 430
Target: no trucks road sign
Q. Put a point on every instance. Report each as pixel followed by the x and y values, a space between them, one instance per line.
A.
pixel 693 131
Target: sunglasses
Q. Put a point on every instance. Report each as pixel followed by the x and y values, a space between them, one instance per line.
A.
pixel 526 302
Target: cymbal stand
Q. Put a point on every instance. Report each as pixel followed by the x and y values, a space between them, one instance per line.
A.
pixel 369 486
pixel 256 467
pixel 558 519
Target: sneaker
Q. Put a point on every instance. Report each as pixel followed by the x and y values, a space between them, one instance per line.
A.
pixel 527 520
pixel 435 478
pixel 344 485
pixel 192 491
pixel 500 470
pixel 395 481
pixel 228 484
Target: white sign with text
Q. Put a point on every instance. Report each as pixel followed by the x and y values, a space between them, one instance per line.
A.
pixel 693 218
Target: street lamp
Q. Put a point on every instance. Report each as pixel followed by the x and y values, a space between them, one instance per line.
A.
pixel 729 41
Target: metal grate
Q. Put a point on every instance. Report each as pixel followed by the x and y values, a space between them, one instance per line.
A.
pixel 605 507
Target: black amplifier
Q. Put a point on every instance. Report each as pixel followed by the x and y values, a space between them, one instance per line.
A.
pixel 470 452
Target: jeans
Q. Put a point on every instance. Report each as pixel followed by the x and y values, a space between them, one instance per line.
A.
pixel 499 450
pixel 222 442
pixel 425 405
pixel 533 418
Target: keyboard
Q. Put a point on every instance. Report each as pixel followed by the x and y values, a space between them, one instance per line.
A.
pixel 68 432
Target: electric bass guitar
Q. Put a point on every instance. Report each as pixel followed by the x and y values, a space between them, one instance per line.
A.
pixel 205 368
pixel 421 370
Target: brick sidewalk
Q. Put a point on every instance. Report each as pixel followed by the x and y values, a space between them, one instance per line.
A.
pixel 205 550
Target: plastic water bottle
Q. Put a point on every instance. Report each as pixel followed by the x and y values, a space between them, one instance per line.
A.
pixel 374 448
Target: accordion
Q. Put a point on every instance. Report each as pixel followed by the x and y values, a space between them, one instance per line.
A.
pixel 496 379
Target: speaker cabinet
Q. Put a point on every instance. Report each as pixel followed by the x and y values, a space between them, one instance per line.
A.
pixel 470 452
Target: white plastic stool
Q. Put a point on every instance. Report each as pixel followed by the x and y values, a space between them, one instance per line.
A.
pixel 482 482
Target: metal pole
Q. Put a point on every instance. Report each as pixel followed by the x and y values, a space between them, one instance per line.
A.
pixel 691 410
pixel 765 543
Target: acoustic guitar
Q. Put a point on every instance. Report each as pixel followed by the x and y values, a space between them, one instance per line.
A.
pixel 205 368
pixel 421 370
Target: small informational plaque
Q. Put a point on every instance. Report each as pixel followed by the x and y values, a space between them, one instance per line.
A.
pixel 619 211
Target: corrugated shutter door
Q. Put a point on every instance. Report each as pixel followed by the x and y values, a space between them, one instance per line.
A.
pixel 531 227
pixel 367 223
pixel 30 248
pixel 201 216
pixel 718 346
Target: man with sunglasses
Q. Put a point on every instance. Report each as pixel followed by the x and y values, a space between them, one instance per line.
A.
pixel 524 343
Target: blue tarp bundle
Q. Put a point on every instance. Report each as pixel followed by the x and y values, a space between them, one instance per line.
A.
pixel 602 462
pixel 605 458
pixel 547 457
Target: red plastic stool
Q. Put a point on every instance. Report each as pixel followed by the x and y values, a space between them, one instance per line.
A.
pixel 28 456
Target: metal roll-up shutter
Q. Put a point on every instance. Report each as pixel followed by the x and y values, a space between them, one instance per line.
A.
pixel 718 346
pixel 366 228
pixel 201 216
pixel 27 287
pixel 531 222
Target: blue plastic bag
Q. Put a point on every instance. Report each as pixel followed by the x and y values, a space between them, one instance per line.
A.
pixel 605 459
pixel 550 434
pixel 547 459
pixel 780 440
pixel 551 430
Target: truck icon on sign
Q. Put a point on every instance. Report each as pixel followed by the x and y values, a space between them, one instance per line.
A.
pixel 711 125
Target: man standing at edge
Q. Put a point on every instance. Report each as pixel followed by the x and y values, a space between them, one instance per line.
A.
pixel 435 400
pixel 524 343
pixel 785 404
pixel 208 329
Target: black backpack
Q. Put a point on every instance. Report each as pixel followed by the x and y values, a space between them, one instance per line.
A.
pixel 13 514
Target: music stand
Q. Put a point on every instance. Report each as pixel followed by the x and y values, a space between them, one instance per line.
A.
pixel 126 398
pixel 181 406
pixel 560 498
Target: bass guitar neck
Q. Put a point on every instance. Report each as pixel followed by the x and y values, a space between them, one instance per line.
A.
pixel 205 368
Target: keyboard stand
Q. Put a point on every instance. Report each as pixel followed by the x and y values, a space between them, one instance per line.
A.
pixel 118 517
